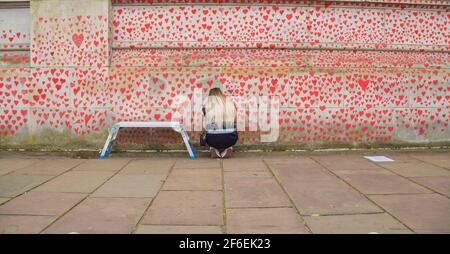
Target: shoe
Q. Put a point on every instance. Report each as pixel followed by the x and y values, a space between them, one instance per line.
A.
pixel 227 153
pixel 215 153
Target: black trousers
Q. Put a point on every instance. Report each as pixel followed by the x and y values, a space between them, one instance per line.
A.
pixel 220 141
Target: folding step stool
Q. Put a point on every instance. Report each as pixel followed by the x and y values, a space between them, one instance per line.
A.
pixel 174 125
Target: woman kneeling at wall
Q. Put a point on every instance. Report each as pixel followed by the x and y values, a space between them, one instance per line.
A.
pixel 220 124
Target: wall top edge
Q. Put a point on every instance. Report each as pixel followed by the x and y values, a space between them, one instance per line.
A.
pixel 6 4
pixel 26 4
pixel 273 2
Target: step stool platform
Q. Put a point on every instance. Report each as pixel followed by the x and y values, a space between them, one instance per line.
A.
pixel 173 125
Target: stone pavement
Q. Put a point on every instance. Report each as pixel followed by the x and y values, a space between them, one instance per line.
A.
pixel 282 192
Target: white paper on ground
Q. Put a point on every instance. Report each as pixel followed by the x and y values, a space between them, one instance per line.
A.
pixel 378 158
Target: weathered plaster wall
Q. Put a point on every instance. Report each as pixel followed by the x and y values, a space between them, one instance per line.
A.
pixel 14 31
pixel 348 73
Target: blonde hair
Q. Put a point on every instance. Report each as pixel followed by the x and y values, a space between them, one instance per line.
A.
pixel 219 110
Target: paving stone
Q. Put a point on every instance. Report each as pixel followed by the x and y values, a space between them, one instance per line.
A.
pixel 186 208
pixel 316 191
pixel 264 221
pixel 282 156
pixel 76 181
pixel 101 215
pixel 49 167
pixel 110 164
pixel 303 162
pixel 379 182
pixel 138 186
pixel 194 179
pixel 422 212
pixel 416 169
pixel 299 172
pixel 256 174
pixel 171 229
pixel 327 197
pixel 148 166
pixel 439 159
pixel 439 184
pixel 355 224
pixel 10 164
pixel 197 163
pixel 3 200
pixel 5 171
pixel 24 224
pixel 254 192
pixel 41 203
pixel 244 164
pixel 345 162
pixel 12 185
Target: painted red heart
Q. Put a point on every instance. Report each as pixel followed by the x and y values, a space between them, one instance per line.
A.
pixel 78 39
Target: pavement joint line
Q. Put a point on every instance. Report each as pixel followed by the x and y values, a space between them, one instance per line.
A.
pixel 401 194
pixel 211 168
pixel 249 177
pixel 23 214
pixel 194 190
pixel 8 172
pixel 296 209
pixel 83 199
pixel 408 179
pixel 341 214
pixel 257 207
pixel 367 197
pixel 138 223
pixel 248 171
pixel 437 192
pixel 224 208
pixel 413 156
pixel 13 170
pixel 51 178
pixel 190 190
pixel 199 225
pixel 426 162
pixel 67 192
pixel 426 176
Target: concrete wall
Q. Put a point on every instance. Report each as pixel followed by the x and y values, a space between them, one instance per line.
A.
pixel 348 73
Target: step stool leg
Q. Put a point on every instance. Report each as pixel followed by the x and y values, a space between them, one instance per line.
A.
pixel 188 145
pixel 106 146
pixel 115 131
